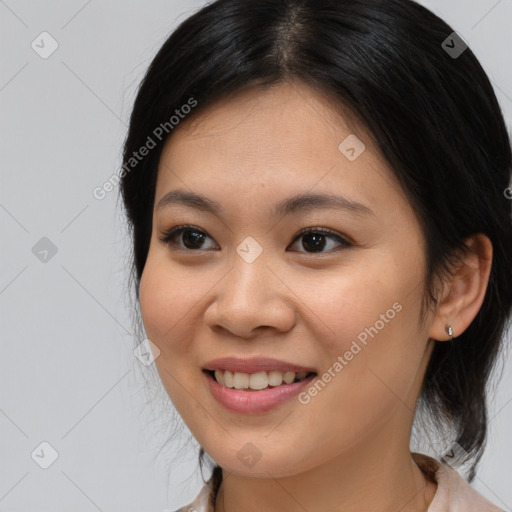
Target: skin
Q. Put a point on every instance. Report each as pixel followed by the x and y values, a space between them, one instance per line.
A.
pixel 348 448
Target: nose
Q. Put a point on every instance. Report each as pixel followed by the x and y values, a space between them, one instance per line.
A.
pixel 250 298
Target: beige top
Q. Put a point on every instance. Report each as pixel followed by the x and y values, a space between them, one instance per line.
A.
pixel 453 494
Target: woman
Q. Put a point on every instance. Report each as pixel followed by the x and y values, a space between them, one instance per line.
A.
pixel 322 250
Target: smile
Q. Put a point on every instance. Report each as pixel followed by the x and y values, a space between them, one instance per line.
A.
pixel 257 381
pixel 251 401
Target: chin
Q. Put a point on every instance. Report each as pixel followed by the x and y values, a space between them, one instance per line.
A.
pixel 250 463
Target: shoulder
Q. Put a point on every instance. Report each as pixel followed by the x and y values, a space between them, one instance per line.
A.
pixel 454 493
pixel 201 502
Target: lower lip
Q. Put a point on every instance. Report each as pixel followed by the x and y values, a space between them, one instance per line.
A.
pixel 237 400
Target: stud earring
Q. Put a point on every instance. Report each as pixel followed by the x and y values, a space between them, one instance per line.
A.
pixel 449 331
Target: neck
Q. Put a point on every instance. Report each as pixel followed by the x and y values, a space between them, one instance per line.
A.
pixel 380 477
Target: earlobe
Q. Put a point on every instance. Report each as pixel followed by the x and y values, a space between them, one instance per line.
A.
pixel 465 292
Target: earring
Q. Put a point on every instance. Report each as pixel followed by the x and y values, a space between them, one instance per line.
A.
pixel 449 331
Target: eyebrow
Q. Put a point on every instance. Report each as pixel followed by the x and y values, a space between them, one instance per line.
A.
pixel 292 204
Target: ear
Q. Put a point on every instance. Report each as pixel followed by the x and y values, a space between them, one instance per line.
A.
pixel 464 292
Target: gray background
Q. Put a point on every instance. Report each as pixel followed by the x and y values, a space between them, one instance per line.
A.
pixel 67 372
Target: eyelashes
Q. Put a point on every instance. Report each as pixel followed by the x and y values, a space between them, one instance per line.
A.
pixel 169 237
pixel 174 236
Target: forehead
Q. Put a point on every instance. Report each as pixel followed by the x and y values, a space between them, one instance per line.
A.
pixel 287 114
pixel 285 137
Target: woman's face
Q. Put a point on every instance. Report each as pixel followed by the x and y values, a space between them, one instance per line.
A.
pixel 243 284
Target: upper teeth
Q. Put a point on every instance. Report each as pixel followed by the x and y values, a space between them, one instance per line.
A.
pixel 259 380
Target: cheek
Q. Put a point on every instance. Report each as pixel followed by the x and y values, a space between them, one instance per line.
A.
pixel 354 303
pixel 372 348
pixel 167 308
pixel 167 302
pixel 154 302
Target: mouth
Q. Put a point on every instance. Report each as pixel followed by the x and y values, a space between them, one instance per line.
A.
pixel 258 381
pixel 258 392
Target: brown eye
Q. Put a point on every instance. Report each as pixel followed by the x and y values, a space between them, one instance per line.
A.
pixel 185 237
pixel 315 240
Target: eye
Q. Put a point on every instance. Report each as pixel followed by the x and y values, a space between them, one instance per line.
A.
pixel 193 238
pixel 314 239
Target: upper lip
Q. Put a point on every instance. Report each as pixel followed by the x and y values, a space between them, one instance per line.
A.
pixel 254 365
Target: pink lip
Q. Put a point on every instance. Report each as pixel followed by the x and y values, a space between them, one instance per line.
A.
pixel 237 400
pixel 254 364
